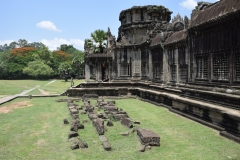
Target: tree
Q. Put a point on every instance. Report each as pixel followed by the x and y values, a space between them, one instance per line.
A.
pixel 64 70
pixel 2 68
pixel 99 37
pixel 38 69
pixel 78 62
pixel 23 43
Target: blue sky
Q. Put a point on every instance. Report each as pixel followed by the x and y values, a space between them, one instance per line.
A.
pixel 56 22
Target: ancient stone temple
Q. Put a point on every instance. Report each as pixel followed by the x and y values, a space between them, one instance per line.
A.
pixel 191 66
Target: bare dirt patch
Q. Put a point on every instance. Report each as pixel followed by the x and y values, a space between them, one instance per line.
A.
pixel 15 105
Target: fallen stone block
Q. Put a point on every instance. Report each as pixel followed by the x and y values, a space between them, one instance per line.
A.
pixel 118 117
pixel 110 108
pixel 148 137
pixel 92 116
pixel 124 133
pixel 74 111
pixel 103 138
pixel 83 112
pixel 72 134
pixel 109 123
pixel 75 116
pixel 74 127
pixel 127 122
pixel 106 146
pixel 99 125
pixel 142 149
pixel 80 126
pixel 65 121
pixel 136 122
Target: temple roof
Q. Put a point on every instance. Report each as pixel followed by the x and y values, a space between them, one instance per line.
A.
pixel 215 11
pixel 176 37
pixel 156 40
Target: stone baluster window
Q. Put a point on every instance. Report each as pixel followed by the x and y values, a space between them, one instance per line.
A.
pixel 238 66
pixel 202 67
pixel 220 66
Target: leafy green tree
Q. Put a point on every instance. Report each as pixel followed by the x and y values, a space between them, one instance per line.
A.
pixel 22 43
pixel 98 41
pixel 64 70
pixel 38 69
pixel 78 62
pixel 2 68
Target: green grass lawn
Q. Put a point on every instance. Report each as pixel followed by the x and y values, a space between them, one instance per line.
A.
pixel 11 87
pixel 38 132
pixel 59 86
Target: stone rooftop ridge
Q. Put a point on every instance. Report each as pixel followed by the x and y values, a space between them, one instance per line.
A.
pixel 176 37
pixel 215 11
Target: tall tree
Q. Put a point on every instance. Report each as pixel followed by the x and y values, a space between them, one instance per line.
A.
pixel 78 63
pixel 23 43
pixel 99 37
pixel 64 70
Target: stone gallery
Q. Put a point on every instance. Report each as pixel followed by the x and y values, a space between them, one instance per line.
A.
pixel 191 66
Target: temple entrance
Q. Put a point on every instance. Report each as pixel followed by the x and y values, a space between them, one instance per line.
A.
pixel 104 71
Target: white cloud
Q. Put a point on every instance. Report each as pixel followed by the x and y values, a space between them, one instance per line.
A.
pixel 56 42
pixel 48 25
pixel 189 4
pixel 6 42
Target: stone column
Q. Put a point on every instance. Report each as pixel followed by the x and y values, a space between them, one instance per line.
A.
pixel 87 71
pixel 150 72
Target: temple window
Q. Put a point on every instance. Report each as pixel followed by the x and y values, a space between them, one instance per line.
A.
pixel 220 66
pixel 238 66
pixel 202 67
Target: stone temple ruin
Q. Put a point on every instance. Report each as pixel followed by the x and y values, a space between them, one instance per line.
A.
pixel 191 66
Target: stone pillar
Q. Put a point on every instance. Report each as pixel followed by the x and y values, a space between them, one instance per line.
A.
pixel 87 71
pixel 177 68
pixel 150 72
pixel 99 69
pixel 165 66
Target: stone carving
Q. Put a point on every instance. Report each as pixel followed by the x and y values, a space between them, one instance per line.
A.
pixel 111 40
pixel 186 22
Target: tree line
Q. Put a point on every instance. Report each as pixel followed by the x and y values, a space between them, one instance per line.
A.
pixel 21 60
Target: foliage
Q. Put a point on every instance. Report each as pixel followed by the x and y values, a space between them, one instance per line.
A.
pixel 98 41
pixel 64 70
pixel 78 62
pixel 38 69
pixel 16 56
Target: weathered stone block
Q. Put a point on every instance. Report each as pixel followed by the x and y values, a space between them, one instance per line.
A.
pixel 118 117
pixel 73 111
pixel 107 146
pixel 127 122
pixel 92 116
pixel 124 133
pixel 72 134
pixel 65 121
pixel 148 137
pixel 99 125
pixel 110 123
